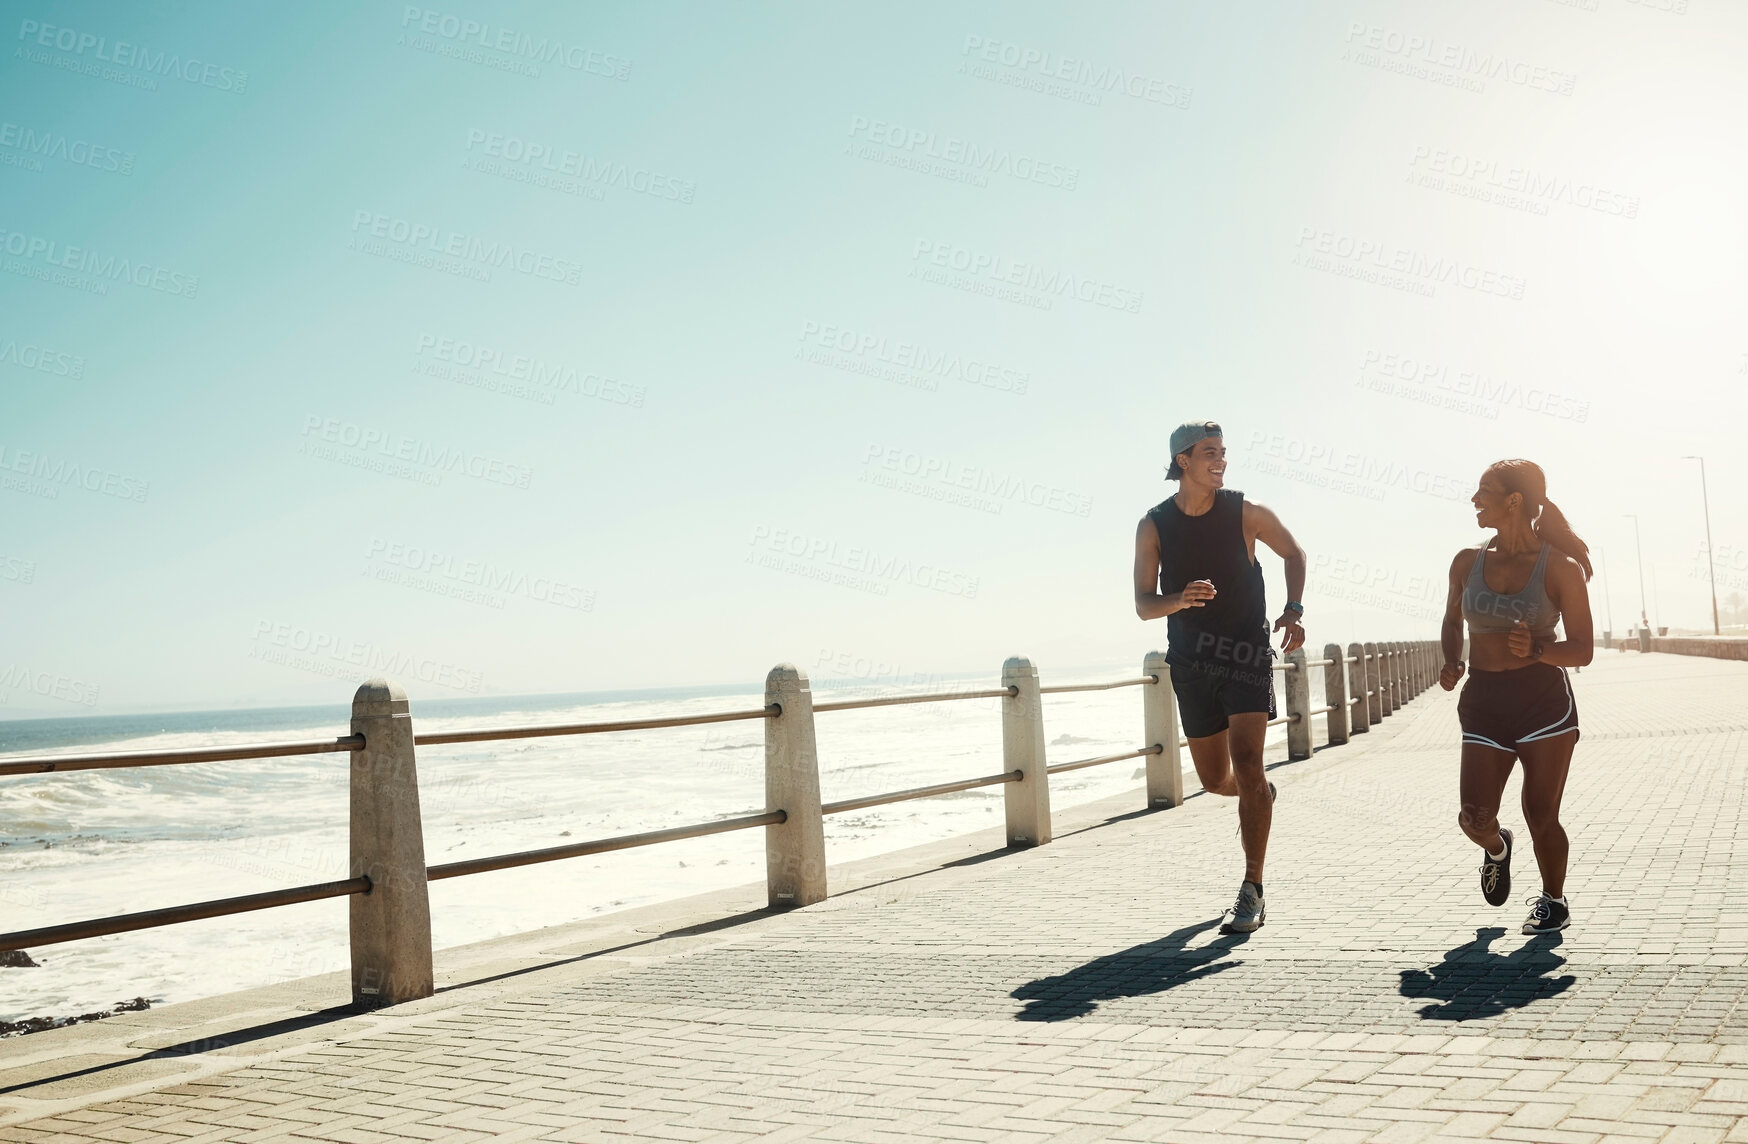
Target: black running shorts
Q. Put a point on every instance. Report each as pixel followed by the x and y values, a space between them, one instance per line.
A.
pixel 1207 693
pixel 1501 709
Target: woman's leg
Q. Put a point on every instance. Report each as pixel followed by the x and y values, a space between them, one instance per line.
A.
pixel 1485 770
pixel 1545 765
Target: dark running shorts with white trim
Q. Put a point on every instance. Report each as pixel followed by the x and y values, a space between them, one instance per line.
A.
pixel 1209 692
pixel 1501 709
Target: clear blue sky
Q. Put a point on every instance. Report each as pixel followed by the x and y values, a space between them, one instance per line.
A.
pixel 807 305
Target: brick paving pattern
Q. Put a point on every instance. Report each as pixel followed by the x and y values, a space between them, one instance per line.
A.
pixel 1081 991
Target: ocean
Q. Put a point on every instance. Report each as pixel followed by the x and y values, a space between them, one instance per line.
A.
pixel 90 844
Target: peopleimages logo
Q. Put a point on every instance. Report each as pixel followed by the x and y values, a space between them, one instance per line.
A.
pixel 87 268
pixel 1456 60
pixel 53 145
pixel 576 165
pixel 1375 473
pixel 1032 283
pixel 17 569
pixel 906 362
pixel 1321 249
pixel 506 368
pixel 392 448
pixel 131 57
pixel 1514 183
pixel 47 684
pixel 479 574
pixel 1101 78
pixel 928 145
pixel 954 475
pixel 423 238
pixel 45 476
pixel 1432 378
pixel 27 355
pixel 342 657
pixel 853 566
pixel 519 45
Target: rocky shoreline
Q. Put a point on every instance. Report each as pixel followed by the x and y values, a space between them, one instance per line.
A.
pixel 38 1024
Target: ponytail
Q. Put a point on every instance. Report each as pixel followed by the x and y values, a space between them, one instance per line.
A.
pixel 1526 479
pixel 1551 527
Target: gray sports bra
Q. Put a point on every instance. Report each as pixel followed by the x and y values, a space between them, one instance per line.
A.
pixel 1493 613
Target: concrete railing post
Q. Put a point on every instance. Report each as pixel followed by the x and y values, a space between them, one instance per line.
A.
pixel 1423 670
pixel 1165 774
pixel 1645 640
pixel 1374 684
pixel 1398 677
pixel 391 925
pixel 1381 679
pixel 1358 703
pixel 1298 688
pixel 795 848
pixel 1335 693
pixel 1022 746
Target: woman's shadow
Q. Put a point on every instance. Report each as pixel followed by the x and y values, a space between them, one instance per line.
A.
pixel 1161 964
pixel 1473 983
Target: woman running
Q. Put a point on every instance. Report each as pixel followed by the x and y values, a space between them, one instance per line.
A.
pixel 1517 704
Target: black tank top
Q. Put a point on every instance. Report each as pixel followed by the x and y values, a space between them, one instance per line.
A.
pixel 1233 627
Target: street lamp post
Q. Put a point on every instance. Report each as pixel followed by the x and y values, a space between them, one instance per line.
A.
pixel 1607 597
pixel 1705 500
pixel 1644 615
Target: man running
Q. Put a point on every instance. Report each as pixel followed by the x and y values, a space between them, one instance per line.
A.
pixel 1195 561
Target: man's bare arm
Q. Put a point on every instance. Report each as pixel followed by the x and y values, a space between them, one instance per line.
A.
pixel 1149 604
pixel 1263 524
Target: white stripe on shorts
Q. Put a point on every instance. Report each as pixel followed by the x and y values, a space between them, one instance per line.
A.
pixel 1548 732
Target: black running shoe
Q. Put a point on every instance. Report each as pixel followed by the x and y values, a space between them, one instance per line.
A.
pixel 1496 876
pixel 1546 916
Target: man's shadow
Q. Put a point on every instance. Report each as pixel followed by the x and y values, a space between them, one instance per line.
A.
pixel 1161 964
pixel 1473 983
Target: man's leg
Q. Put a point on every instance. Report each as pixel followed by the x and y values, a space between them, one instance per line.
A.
pixel 1213 764
pixel 1255 806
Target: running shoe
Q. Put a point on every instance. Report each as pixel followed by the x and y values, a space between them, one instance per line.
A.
pixel 1546 916
pixel 1496 876
pixel 1246 913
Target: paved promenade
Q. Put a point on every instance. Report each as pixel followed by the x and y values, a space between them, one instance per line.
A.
pixel 1079 991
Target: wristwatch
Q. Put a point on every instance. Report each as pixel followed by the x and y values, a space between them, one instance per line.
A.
pixel 1536 649
pixel 1294 606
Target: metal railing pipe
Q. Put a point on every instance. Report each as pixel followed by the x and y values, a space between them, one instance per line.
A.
pixel 1082 764
pixel 895 700
pixel 46 764
pixel 1067 687
pixel 601 845
pixel 491 734
pixel 918 792
pixel 172 915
